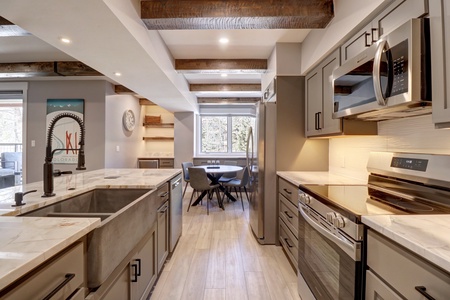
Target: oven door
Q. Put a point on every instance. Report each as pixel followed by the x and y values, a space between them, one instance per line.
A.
pixel 329 261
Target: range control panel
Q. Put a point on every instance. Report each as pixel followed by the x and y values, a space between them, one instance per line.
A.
pixel 414 164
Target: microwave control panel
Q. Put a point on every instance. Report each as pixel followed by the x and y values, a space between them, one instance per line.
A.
pixel 399 64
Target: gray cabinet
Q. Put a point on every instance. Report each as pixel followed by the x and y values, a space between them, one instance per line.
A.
pixel 440 62
pixel 396 14
pixel 319 104
pixel 394 268
pixel 288 219
pixel 163 234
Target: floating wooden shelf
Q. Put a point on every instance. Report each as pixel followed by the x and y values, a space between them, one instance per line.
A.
pixel 160 125
pixel 158 138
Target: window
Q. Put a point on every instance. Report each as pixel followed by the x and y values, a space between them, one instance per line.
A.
pixel 224 134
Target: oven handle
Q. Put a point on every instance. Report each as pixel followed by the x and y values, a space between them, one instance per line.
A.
pixel 349 248
pixel 376 74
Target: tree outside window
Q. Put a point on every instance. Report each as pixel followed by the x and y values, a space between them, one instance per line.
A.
pixel 225 134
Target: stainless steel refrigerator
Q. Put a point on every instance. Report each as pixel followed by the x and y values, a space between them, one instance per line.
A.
pixel 281 145
pixel 261 147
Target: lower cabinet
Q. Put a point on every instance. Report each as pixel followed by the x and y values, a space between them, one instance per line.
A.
pixel 288 219
pixel 61 277
pixel 163 234
pixel 394 272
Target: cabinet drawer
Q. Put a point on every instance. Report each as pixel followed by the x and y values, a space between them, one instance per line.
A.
pixel 45 279
pixel 162 194
pixel 403 270
pixel 289 214
pixel 289 242
pixel 288 190
pixel 166 163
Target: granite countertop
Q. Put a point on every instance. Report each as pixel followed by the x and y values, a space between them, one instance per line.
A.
pixel 26 242
pixel 316 177
pixel 425 235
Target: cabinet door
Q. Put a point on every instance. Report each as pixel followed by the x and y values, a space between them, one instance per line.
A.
pixel 120 289
pixel 377 289
pixel 397 14
pixel 163 234
pixel 440 62
pixel 329 125
pixel 313 101
pixel 358 43
pixel 143 268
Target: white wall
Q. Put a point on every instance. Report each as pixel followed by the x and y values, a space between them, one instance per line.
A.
pixel 122 148
pixel 184 137
pixel 349 155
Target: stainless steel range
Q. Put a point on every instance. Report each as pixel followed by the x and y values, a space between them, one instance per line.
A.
pixel 331 235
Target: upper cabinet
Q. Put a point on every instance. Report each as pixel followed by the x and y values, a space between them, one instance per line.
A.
pixel 319 104
pixel 440 62
pixel 392 17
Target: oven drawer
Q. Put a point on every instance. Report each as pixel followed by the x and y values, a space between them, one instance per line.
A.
pixel 289 214
pixel 289 242
pixel 288 190
pixel 405 271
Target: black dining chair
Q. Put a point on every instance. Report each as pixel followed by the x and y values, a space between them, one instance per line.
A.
pixel 185 168
pixel 238 183
pixel 200 183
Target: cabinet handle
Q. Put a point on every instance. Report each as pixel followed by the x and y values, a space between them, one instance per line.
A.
pixel 287 214
pixel 287 191
pixel 422 290
pixel 318 120
pixel 287 242
pixel 164 195
pixel 366 39
pixel 69 277
pixel 163 208
pixel 139 267
pixel 134 267
pixel 316 125
pixel 374 30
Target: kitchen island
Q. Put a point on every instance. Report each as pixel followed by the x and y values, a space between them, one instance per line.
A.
pixel 27 242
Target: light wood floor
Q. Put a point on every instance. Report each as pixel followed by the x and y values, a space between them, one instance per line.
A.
pixel 217 257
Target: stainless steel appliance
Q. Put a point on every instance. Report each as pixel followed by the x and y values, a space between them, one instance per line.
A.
pixel 390 79
pixel 261 163
pixel 176 211
pixel 331 236
pixel 148 163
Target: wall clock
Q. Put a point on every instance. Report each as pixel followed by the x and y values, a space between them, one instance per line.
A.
pixel 128 119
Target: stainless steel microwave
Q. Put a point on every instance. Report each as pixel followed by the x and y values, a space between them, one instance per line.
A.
pixel 390 79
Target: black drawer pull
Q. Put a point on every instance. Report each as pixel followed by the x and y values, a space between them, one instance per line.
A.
pixel 164 195
pixel 422 290
pixel 287 242
pixel 139 267
pixel 287 214
pixel 288 191
pixel 134 267
pixel 68 277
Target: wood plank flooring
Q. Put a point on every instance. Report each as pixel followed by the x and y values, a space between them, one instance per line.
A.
pixel 218 258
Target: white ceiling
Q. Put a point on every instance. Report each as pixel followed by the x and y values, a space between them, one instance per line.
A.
pixel 109 36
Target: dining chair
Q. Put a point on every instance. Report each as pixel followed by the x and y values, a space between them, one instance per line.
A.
pixel 228 176
pixel 200 183
pixel 185 168
pixel 238 183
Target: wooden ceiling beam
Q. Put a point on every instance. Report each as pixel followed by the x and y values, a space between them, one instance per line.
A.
pixel 225 87
pixel 236 14
pixel 210 66
pixel 46 69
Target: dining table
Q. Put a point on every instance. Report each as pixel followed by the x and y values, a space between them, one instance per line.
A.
pixel 214 172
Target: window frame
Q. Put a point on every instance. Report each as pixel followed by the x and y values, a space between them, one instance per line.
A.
pixel 229 153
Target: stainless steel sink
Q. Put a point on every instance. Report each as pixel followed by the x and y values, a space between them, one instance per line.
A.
pixel 126 214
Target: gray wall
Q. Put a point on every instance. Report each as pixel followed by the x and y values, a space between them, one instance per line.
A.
pixel 184 137
pixel 93 92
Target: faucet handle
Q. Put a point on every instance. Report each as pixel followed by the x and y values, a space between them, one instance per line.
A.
pixel 18 198
pixel 57 172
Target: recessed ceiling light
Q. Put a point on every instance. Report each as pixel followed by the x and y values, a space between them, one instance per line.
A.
pixel 65 40
pixel 224 41
pixel 117 73
pixel 224 75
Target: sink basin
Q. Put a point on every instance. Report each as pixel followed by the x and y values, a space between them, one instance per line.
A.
pixel 126 214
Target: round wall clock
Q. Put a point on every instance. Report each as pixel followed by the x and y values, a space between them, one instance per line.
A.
pixel 128 119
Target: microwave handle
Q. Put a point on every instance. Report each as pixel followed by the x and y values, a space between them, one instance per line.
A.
pixel 376 74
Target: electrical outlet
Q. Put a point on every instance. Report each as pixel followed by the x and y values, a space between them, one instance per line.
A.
pixel 117 148
pixel 33 143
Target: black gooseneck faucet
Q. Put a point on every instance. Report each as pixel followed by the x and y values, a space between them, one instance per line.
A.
pixel 48 165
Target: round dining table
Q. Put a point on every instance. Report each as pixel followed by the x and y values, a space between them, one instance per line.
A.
pixel 214 172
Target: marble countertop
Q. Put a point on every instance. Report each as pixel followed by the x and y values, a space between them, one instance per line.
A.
pixel 298 178
pixel 26 242
pixel 67 186
pixel 426 235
